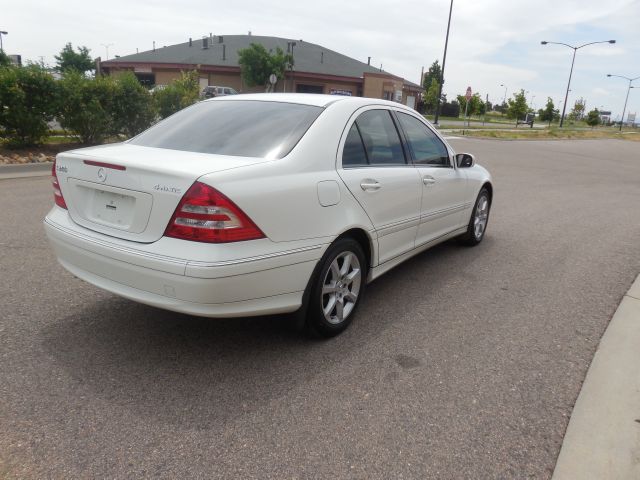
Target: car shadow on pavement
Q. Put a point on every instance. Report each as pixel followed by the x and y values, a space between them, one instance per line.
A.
pixel 199 373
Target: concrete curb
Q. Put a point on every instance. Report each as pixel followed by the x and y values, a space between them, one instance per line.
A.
pixel 22 170
pixel 603 436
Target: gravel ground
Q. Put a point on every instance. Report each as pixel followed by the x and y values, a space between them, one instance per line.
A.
pixel 462 363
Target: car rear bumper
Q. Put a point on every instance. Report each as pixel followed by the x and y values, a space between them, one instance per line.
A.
pixel 257 285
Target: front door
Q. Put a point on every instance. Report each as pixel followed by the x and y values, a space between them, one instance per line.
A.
pixel 376 171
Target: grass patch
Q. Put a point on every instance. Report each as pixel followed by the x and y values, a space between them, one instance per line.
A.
pixel 550 134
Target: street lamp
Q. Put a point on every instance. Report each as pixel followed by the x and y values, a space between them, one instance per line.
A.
pixel 575 49
pixel 505 93
pixel 106 46
pixel 628 90
pixel 504 102
pixel 444 60
pixel 2 33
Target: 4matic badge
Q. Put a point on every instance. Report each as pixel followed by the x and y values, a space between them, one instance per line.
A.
pixel 164 188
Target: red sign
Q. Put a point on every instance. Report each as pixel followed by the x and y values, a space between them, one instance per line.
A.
pixel 468 94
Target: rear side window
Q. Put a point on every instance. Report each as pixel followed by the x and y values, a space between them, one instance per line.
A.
pixel 245 128
pixel 380 138
pixel 426 147
pixel 353 154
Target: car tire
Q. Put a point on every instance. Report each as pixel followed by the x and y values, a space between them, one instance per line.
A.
pixel 479 219
pixel 335 290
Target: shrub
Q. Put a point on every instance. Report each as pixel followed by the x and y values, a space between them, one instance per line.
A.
pixel 450 109
pixel 87 106
pixel 28 100
pixel 177 95
pixel 132 108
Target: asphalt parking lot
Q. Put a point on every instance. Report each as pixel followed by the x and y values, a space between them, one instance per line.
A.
pixel 462 363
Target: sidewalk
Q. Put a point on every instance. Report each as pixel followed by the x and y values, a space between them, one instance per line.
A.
pixel 25 170
pixel 603 436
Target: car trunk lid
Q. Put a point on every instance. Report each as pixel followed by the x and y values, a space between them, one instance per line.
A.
pixel 130 191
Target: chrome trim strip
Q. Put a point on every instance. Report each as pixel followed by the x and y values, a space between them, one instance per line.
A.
pixel 412 252
pixel 397 226
pixel 126 250
pixel 459 230
pixel 266 256
pixel 178 261
pixel 443 212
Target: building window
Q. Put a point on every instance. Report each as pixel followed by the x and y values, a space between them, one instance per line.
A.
pixel 302 88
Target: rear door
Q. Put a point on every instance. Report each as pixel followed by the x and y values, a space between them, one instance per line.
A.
pixel 373 165
pixel 442 185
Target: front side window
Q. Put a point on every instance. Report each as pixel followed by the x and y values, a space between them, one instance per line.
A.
pixel 425 146
pixel 380 138
pixel 242 128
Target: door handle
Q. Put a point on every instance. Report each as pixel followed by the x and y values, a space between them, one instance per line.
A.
pixel 370 184
pixel 428 180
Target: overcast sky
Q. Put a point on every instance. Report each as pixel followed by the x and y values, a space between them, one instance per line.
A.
pixel 492 42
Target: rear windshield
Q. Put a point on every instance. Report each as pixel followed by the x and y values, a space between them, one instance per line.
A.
pixel 241 128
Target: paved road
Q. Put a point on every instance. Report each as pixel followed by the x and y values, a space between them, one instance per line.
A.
pixel 462 363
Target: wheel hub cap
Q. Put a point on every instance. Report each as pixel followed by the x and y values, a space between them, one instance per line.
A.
pixel 341 287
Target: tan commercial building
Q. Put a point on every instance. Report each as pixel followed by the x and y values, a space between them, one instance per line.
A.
pixel 316 69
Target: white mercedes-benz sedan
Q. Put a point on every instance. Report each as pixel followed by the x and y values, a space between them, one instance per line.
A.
pixel 262 204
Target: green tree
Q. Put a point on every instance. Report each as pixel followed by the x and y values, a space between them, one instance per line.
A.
pixel 431 84
pixel 177 95
pixel 433 75
pixel 133 108
pixel 517 107
pixel 577 113
pixel 258 64
pixel 5 61
pixel 430 96
pixel 476 105
pixel 69 60
pixel 28 100
pixel 87 106
pixel 548 113
pixel 593 118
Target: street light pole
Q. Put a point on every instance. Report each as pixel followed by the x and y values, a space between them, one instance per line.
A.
pixel 504 101
pixel 575 49
pixel 444 60
pixel 106 46
pixel 2 33
pixel 627 97
pixel 505 93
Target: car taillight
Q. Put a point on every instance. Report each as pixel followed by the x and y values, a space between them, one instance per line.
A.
pixel 206 215
pixel 57 193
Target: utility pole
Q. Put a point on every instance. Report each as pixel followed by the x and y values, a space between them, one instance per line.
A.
pixel 444 61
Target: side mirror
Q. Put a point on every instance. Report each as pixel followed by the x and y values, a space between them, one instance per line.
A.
pixel 465 160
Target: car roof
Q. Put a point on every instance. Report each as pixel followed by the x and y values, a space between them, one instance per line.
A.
pixel 314 99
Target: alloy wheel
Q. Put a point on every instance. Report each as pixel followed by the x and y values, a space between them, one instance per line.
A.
pixel 341 287
pixel 481 216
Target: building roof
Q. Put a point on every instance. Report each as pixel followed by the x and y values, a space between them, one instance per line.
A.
pixel 308 57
